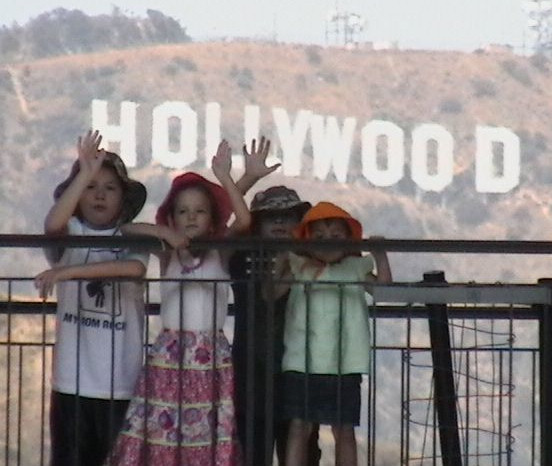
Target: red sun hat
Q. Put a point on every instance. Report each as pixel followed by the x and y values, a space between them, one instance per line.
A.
pixel 220 200
pixel 326 211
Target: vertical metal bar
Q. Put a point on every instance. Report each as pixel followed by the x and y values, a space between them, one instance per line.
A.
pixel 408 356
pixel 445 392
pixel 545 371
pixel 249 359
pixel 510 389
pixel 8 375
pixel 19 404
pixel 533 407
pixel 43 386
pixel 339 355
pixel 371 397
pixel 500 404
pixel 144 447
pixel 404 408
pixel 215 392
pixel 269 365
pixel 468 404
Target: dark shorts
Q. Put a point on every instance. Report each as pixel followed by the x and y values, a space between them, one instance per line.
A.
pixel 322 399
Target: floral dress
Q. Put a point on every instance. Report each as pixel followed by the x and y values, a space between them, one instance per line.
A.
pixel 183 412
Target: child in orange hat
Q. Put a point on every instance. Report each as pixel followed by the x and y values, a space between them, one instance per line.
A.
pixel 327 335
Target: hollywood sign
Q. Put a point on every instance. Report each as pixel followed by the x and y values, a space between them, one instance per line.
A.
pixel 497 156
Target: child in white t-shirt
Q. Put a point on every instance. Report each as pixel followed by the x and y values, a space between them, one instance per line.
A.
pixel 99 328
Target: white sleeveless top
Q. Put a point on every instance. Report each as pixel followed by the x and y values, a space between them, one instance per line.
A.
pixel 196 300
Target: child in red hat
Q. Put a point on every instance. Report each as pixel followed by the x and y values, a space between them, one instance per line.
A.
pixel 183 411
pixel 327 336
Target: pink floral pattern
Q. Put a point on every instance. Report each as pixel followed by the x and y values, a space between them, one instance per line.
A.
pixel 182 412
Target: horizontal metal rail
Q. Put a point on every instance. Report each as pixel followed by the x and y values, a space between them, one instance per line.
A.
pixel 389 245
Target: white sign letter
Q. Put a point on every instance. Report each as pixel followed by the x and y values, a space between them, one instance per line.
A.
pixel 212 131
pixel 394 169
pixel 124 133
pixel 489 176
pixel 444 170
pixel 160 135
pixel 291 138
pixel 331 146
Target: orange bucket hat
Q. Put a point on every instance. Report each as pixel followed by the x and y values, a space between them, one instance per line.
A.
pixel 326 211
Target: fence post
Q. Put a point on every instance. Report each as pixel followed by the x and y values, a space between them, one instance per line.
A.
pixel 445 393
pixel 545 377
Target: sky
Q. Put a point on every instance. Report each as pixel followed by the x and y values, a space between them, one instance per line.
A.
pixel 413 24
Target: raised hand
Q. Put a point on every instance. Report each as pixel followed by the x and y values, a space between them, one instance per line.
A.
pixel 255 159
pixel 222 161
pixel 90 156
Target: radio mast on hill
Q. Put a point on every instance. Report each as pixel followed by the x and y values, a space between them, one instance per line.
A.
pixel 344 28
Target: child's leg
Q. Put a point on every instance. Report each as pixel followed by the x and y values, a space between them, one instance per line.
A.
pixel 296 452
pixel 345 445
pixel 313 450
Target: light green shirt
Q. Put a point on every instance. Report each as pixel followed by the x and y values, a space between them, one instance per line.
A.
pixel 334 316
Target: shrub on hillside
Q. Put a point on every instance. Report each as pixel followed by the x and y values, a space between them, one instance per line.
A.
pixel 244 78
pixel 450 106
pixel 313 55
pixel 517 72
pixel 540 62
pixel 483 87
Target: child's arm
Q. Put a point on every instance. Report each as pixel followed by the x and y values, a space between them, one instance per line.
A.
pixel 164 233
pixel 46 280
pixel 383 268
pixel 382 264
pixel 255 164
pixel 90 162
pixel 281 274
pixel 222 163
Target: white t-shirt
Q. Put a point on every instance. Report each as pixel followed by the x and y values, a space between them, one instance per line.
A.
pixel 99 328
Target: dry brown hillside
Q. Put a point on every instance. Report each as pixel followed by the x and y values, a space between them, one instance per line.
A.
pixel 46 104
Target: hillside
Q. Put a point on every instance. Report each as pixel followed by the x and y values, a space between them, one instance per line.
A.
pixel 47 104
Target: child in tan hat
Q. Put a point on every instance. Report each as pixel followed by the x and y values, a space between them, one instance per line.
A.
pixel 99 326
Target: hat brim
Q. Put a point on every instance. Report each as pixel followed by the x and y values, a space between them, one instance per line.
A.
pixel 221 200
pixel 326 211
pixel 301 206
pixel 135 193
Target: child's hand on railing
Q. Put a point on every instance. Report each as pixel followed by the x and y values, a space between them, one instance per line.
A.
pixel 45 281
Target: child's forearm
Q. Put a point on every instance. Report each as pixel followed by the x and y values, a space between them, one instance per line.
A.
pixel 243 216
pixel 64 208
pixel 246 182
pixel 110 269
pixel 383 268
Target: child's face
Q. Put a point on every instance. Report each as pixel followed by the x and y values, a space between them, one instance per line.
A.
pixel 192 214
pixel 274 224
pixel 333 228
pixel 101 202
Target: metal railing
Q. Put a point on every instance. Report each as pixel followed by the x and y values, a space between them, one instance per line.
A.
pixel 460 372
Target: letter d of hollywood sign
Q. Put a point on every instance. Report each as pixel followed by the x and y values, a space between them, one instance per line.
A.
pixel 382 155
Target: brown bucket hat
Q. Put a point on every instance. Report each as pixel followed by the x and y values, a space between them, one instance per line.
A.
pixel 135 193
pixel 278 198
